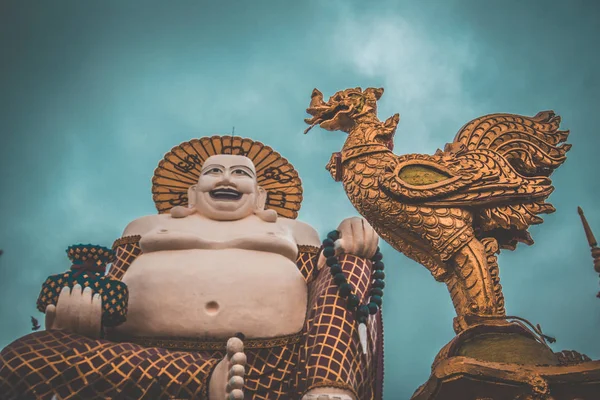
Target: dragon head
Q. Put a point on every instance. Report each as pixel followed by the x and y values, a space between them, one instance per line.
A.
pixel 349 108
pixel 343 108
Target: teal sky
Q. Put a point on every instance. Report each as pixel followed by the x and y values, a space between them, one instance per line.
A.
pixel 93 93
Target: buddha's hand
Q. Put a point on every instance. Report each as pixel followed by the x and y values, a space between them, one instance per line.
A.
pixel 77 311
pixel 357 237
pixel 327 393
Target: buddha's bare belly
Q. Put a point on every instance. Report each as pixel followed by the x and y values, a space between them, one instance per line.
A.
pixel 214 294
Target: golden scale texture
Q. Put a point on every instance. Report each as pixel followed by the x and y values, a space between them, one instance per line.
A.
pixel 451 211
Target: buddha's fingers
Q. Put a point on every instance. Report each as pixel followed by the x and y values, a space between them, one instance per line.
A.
pixel 351 236
pixel 64 318
pixel 81 302
pixel 50 316
pixel 360 237
pixel 77 308
pixel 90 314
pixel 357 237
pixel 97 312
pixel 372 241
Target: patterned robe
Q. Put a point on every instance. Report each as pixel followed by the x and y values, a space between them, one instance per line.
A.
pixel 326 353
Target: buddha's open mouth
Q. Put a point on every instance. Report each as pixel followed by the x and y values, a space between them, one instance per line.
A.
pixel 225 194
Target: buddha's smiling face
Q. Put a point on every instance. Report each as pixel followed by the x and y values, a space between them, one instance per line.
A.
pixel 227 189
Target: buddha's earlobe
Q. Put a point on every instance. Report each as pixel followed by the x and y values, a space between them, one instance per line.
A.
pixel 181 211
pixel 261 198
pixel 192 196
pixel 261 201
pixel 266 215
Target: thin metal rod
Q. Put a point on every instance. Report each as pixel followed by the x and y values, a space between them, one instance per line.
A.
pixel 588 231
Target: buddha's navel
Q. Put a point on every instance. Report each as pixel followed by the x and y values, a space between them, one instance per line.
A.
pixel 211 308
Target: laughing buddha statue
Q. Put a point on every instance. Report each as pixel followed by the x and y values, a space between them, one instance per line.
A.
pixel 229 296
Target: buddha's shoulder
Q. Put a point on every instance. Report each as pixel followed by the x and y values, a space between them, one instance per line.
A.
pixel 304 234
pixel 144 224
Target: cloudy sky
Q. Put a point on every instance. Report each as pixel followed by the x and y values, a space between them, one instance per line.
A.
pixel 92 94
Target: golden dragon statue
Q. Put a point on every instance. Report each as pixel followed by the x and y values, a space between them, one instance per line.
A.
pixel 452 211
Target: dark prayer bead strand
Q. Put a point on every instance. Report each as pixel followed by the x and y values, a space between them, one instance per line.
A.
pixel 346 289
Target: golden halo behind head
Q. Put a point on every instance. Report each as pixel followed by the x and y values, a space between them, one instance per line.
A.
pixel 180 169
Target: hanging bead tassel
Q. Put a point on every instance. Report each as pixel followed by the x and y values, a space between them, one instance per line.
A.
pixel 347 291
pixel 362 334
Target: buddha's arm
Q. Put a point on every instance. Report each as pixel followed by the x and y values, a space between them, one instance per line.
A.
pixel 127 247
pixel 308 257
pixel 332 355
pixel 309 247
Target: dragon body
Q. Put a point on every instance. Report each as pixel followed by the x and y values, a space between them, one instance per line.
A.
pixel 454 210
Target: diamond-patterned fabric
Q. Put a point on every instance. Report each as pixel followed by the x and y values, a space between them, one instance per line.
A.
pixel 114 293
pixel 327 354
pixel 126 250
pixel 71 366
pixel 307 261
pixel 332 354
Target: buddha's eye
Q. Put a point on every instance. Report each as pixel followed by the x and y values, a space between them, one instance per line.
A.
pixel 240 172
pixel 213 171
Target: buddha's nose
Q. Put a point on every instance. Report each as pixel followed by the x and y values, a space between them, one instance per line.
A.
pixel 226 177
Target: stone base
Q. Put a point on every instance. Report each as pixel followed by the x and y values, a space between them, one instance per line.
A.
pixel 507 362
pixel 465 378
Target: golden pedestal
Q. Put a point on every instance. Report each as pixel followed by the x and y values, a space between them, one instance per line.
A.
pixel 508 362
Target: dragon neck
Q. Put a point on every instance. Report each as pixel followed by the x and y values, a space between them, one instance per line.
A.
pixel 360 163
pixel 359 166
pixel 361 143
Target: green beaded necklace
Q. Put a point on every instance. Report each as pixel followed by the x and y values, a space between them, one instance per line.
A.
pixel 346 290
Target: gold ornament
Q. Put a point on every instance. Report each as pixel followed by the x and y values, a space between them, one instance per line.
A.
pixel 180 169
pixel 454 210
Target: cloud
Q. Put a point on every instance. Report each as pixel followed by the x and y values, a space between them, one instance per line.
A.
pixel 422 75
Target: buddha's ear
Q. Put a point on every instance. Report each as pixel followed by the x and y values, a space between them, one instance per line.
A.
pixel 191 196
pixel 261 202
pixel 261 198
pixel 184 211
